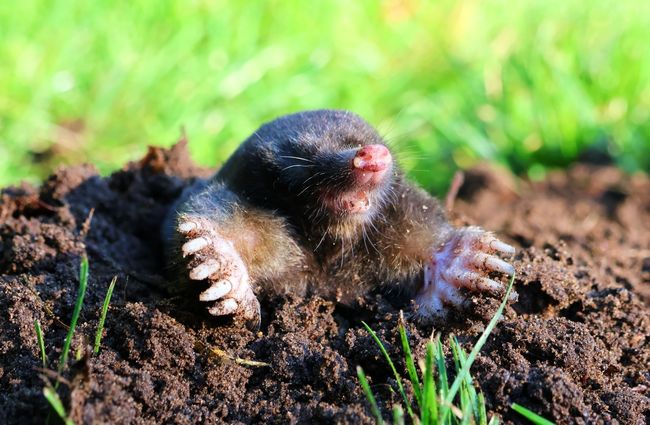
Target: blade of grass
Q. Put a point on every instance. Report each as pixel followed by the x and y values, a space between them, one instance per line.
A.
pixel 41 342
pixel 102 316
pixel 83 283
pixel 443 380
pixel 530 415
pixel 479 344
pixel 53 398
pixel 410 365
pixel 466 405
pixel 400 386
pixel 482 413
pixel 464 395
pixel 79 353
pixel 467 390
pixel 429 409
pixel 460 357
pixel 369 395
pixel 398 415
pixel 467 413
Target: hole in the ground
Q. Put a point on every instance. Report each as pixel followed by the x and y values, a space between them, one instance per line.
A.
pixel 533 299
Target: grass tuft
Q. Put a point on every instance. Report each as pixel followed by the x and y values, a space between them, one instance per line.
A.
pixel 435 403
pixel 463 374
pixel 49 391
pixel 102 316
pixel 400 386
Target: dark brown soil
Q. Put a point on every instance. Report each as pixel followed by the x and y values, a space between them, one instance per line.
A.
pixel 574 348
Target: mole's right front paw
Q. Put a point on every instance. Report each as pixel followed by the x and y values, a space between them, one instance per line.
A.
pixel 214 259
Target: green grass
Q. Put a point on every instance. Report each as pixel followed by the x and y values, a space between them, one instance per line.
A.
pixel 526 84
pixel 102 316
pixel 374 408
pixel 436 401
pixel 50 391
pixel 41 342
pixel 531 416
pixel 55 402
pixel 83 284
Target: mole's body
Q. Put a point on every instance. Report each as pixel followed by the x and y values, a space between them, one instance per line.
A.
pixel 313 202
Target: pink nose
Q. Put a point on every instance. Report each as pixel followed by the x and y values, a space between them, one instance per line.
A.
pixel 372 158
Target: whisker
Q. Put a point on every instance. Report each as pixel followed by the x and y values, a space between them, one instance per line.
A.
pixel 370 239
pixel 321 241
pixel 305 189
pixel 373 226
pixel 320 173
pixel 297 157
pixel 297 165
pixel 364 236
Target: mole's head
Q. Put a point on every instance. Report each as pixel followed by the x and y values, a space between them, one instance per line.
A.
pixel 332 167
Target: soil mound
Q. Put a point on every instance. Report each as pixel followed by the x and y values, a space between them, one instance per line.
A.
pixel 574 347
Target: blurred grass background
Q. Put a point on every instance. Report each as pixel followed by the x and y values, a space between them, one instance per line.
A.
pixel 528 84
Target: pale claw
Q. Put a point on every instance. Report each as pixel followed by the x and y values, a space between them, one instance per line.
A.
pixel 216 291
pixel 205 270
pixel 193 246
pixel 186 227
pixel 482 261
pixel 463 262
pixel 471 280
pixel 502 247
pixel 227 306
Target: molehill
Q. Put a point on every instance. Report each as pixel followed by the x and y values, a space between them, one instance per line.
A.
pixel 574 347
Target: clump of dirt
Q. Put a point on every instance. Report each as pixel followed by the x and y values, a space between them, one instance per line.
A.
pixel 574 347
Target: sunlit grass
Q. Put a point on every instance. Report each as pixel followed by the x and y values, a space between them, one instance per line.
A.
pixel 527 84
pixel 50 390
pixel 102 316
pixel 436 400
pixel 83 284
pixel 531 416
pixel 54 400
pixel 41 342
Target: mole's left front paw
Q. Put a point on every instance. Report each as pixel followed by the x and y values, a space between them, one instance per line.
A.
pixel 464 261
pixel 214 259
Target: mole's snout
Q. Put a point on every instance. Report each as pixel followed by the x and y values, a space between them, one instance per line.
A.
pixel 370 164
pixel 372 158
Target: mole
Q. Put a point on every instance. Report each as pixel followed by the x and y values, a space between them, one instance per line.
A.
pixel 315 203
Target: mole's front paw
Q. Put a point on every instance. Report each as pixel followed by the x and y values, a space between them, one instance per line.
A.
pixel 464 261
pixel 214 259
